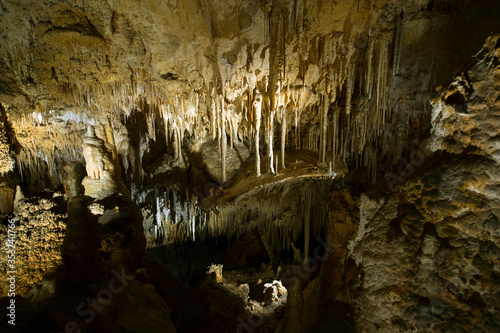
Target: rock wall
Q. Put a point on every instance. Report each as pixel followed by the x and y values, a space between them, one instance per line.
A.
pixel 40 227
pixel 426 254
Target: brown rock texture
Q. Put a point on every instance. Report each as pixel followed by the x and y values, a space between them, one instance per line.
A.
pixel 7 138
pixel 40 228
pixel 427 254
pixel 466 114
pixel 228 117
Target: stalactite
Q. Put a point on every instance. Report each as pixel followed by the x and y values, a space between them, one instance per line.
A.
pixel 151 126
pixel 382 74
pixel 277 54
pixel 283 136
pixel 349 88
pixel 224 140
pixel 270 141
pixel 273 212
pixel 231 136
pixel 369 57
pixel 213 112
pixel 177 143
pixel 296 109
pixel 324 127
pixel 399 33
pixel 342 143
pixel 258 115
pixel 234 120
pixel 299 140
pixel 299 24
pixel 335 135
pixel 174 219
pixel 218 122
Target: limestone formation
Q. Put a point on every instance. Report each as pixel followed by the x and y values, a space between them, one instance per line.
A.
pixel 465 115
pixel 257 103
pixel 345 66
pixel 423 256
pixel 7 162
pixel 100 162
pixel 8 180
pixel 347 148
pixel 40 228
pixel 72 180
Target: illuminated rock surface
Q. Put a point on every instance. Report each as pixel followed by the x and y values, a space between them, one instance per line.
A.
pixel 311 145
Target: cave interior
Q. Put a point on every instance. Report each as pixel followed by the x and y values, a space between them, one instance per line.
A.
pixel 250 166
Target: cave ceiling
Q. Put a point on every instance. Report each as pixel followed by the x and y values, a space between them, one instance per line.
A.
pixel 275 90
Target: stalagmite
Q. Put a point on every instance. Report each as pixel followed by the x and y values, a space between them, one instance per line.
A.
pixel 257 103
